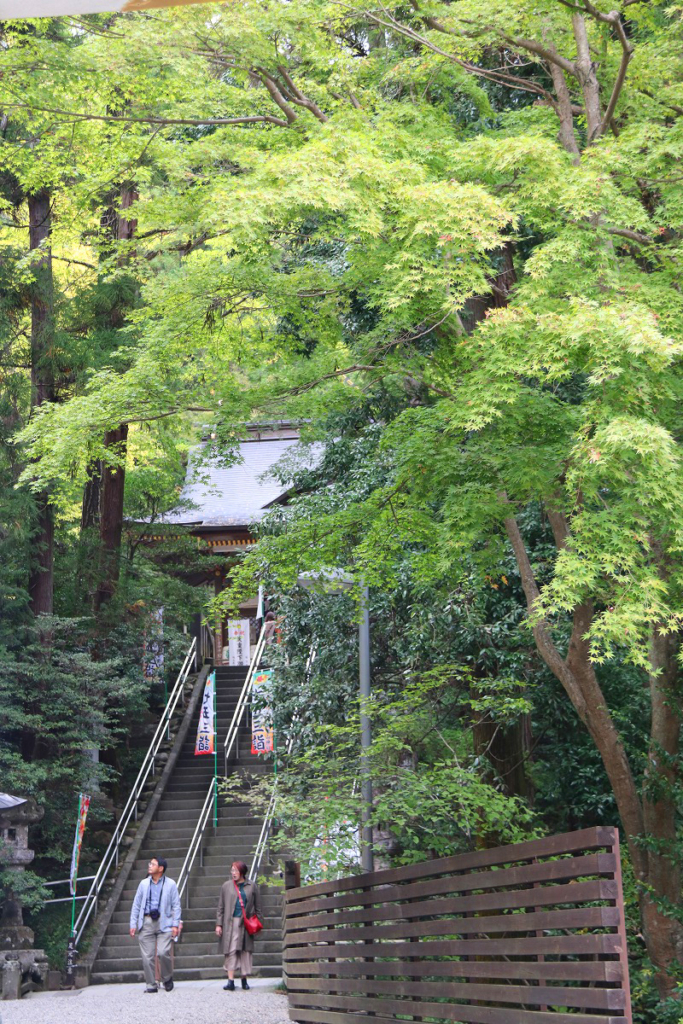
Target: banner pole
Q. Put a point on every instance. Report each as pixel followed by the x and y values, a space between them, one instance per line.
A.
pixel 74 884
pixel 71 944
pixel 215 758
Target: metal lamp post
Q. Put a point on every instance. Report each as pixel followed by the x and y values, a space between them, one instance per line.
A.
pixel 336 581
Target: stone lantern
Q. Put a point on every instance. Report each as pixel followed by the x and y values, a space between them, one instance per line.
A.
pixel 19 961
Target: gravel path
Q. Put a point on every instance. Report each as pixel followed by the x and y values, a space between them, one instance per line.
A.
pixel 191 1002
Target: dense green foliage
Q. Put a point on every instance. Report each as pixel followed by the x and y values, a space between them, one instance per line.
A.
pixel 448 238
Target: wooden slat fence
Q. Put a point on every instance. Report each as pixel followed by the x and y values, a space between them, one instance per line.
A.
pixel 522 934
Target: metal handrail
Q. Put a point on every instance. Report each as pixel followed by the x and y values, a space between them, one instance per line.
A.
pixel 111 855
pixel 66 881
pixel 195 846
pixel 270 812
pixel 263 837
pixel 196 841
pixel 240 708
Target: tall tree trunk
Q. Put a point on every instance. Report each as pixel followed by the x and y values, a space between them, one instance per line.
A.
pixel 92 493
pixel 113 478
pixel 507 749
pixel 111 516
pixel 663 932
pixel 42 388
pixel 586 72
pixel 652 813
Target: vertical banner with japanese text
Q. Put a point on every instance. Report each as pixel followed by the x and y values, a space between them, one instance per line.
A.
pixel 205 730
pixel 83 807
pixel 239 652
pixel 261 715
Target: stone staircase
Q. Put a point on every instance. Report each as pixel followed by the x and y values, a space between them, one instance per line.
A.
pixel 196 956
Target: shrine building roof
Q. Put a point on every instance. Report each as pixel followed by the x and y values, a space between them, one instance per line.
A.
pixel 225 494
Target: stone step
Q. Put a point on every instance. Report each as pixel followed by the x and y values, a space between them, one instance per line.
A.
pixel 169 835
pixel 213 856
pixel 175 858
pixel 214 862
pixel 200 887
pixel 265 970
pixel 197 947
pixel 172 852
pixel 197 915
pixel 209 900
pixel 184 788
pixel 193 926
pixel 230 817
pixel 211 887
pixel 132 962
pixel 195 929
pixel 174 845
pixel 166 818
pixel 179 837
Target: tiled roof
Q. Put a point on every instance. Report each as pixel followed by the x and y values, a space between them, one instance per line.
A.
pixel 234 495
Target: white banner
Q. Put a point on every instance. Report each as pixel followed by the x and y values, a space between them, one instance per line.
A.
pixel 238 642
pixel 206 739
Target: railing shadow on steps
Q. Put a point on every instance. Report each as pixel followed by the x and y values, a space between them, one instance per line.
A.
pixel 113 855
pixel 195 847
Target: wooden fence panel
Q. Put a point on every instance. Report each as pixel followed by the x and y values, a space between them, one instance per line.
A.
pixel 522 934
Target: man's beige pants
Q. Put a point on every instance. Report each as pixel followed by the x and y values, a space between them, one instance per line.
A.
pixel 153 943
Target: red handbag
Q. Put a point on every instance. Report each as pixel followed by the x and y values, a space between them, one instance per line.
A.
pixel 252 924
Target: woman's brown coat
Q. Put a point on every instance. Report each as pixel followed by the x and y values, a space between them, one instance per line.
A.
pixel 226 908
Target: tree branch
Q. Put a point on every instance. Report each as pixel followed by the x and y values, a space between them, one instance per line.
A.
pixel 80 263
pixel 271 85
pixel 255 119
pixel 546 52
pixel 299 98
pixel 500 78
pixel 633 236
pixel 301 389
pixel 585 73
pixel 627 52
pixel 577 676
pixel 565 113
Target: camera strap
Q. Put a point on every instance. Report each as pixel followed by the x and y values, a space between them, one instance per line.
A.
pixel 148 905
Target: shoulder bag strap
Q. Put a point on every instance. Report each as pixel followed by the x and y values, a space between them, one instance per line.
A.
pixel 239 897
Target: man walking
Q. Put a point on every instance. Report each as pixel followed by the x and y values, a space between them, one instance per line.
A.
pixel 156 917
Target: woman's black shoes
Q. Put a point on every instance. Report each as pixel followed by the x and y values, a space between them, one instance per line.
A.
pixel 230 987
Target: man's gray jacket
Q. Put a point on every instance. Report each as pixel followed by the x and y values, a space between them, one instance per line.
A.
pixel 169 906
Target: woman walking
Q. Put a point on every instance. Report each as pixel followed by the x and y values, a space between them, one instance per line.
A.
pixel 239 898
